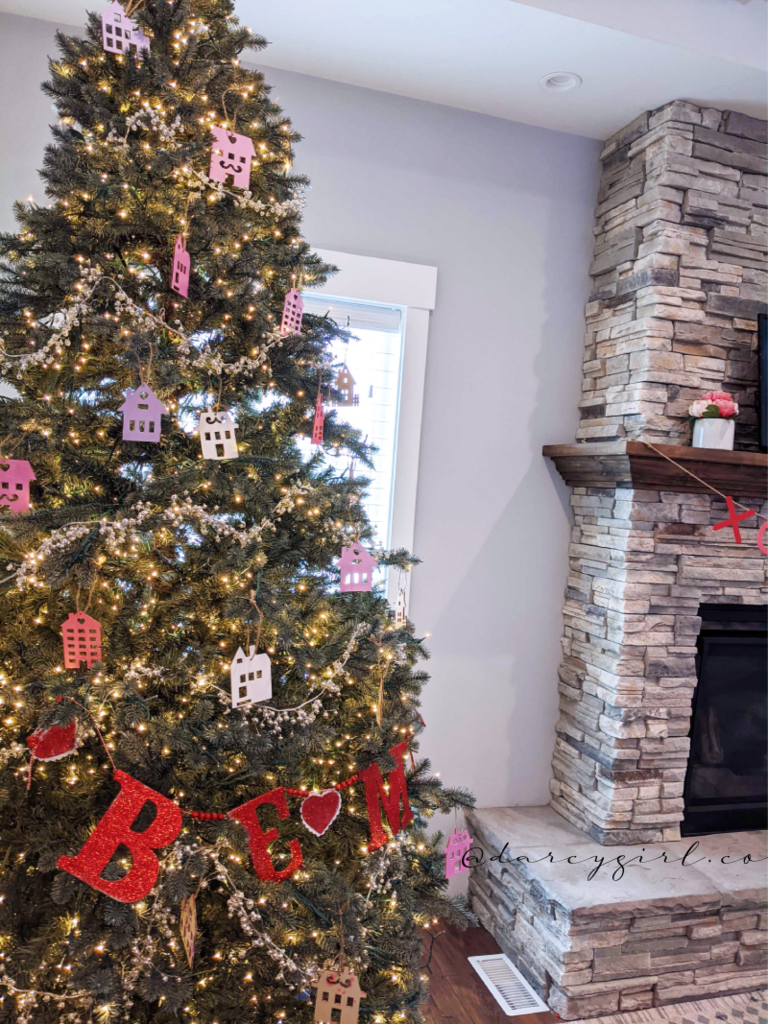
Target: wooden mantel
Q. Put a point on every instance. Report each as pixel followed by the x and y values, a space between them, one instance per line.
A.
pixel 633 464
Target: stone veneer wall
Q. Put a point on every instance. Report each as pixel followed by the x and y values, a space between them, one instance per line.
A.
pixel 679 273
pixel 641 563
pixel 591 961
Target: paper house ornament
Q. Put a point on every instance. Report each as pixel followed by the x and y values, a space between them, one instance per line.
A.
pixel 293 313
pixel 319 422
pixel 338 998
pixel 142 411
pixel 401 617
pixel 458 844
pixel 251 677
pixel 231 157
pixel 180 275
pixel 15 478
pixel 356 566
pixel 217 435
pixel 188 928
pixel 345 385
pixel 82 640
pixel 118 33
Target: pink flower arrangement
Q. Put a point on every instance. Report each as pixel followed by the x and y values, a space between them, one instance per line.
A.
pixel 714 405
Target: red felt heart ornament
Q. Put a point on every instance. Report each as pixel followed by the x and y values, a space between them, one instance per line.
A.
pixel 318 812
pixel 53 742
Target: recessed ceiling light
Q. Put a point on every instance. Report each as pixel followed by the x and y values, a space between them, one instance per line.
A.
pixel 561 81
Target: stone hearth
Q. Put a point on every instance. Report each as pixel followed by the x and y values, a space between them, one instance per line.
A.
pixel 680 274
pixel 661 934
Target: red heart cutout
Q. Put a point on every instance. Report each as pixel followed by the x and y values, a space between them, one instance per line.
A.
pixel 319 812
pixel 53 742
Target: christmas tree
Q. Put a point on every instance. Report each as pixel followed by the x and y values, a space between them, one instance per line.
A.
pixel 210 786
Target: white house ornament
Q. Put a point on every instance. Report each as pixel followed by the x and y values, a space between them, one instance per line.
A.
pixel 250 677
pixel 118 32
pixel 401 615
pixel 338 997
pixel 231 157
pixel 345 385
pixel 142 411
pixel 217 435
pixel 356 567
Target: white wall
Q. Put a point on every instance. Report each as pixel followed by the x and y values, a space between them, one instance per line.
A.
pixel 504 211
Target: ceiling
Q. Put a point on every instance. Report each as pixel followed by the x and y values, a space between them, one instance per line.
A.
pixel 489 55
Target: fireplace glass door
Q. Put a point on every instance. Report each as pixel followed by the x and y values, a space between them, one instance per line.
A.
pixel 726 788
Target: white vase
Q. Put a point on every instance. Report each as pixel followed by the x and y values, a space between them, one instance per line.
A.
pixel 714 433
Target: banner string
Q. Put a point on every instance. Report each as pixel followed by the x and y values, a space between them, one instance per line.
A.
pixel 702 482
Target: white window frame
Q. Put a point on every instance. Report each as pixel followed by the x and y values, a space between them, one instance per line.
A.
pixel 412 286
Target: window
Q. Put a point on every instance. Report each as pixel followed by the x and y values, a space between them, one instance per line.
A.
pixel 374 359
pixel 389 303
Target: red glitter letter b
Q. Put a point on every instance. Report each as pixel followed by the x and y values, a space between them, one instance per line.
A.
pixel 115 829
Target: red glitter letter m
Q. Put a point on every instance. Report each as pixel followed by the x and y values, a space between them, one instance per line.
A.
pixel 397 793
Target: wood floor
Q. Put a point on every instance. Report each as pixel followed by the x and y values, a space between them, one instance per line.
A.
pixel 456 993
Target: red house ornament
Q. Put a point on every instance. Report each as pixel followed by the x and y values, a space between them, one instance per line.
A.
pixel 114 830
pixel 142 411
pixel 318 424
pixel 15 478
pixel 293 313
pixel 82 640
pixel 231 157
pixel 356 566
pixel 181 264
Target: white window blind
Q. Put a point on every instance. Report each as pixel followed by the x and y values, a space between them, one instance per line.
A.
pixel 363 316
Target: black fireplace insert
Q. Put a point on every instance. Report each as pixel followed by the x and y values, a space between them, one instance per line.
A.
pixel 726 786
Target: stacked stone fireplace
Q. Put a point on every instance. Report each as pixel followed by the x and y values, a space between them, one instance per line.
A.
pixel 679 276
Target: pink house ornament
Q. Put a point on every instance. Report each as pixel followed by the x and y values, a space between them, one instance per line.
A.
pixel 180 275
pixel 82 640
pixel 142 411
pixel 15 478
pixel 319 422
pixel 457 846
pixel 118 33
pixel 231 157
pixel 293 313
pixel 356 566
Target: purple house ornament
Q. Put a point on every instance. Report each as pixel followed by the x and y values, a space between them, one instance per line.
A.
pixel 293 313
pixel 231 157
pixel 180 275
pixel 457 846
pixel 141 411
pixel 118 33
pixel 356 566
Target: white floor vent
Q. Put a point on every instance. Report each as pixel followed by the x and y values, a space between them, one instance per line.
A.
pixel 507 985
